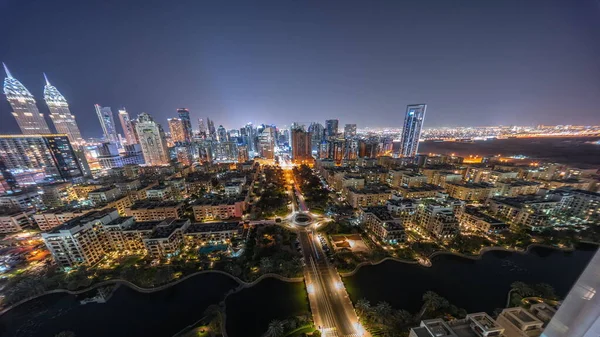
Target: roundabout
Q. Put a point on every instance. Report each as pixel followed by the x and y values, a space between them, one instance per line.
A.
pixel 302 219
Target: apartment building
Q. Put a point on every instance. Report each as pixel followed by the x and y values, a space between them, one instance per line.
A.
pixel 406 178
pixel 103 195
pixel 470 191
pixel 167 238
pixel 155 210
pixel 23 200
pixel 421 192
pixel 13 220
pixel 160 193
pixel 437 219
pixel 475 220
pixel 53 218
pixel 519 322
pixel 201 233
pixel 379 221
pixel 531 211
pixel 515 188
pixel 56 194
pixel 473 325
pixel 78 241
pixel 82 191
pixel 371 195
pixel 219 209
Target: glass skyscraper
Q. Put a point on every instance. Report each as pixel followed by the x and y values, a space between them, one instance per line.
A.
pixel 61 116
pixel 107 122
pixel 128 127
pixel 411 131
pixel 184 116
pixel 29 118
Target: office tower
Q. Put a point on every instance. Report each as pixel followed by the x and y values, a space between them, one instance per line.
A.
pixel 367 149
pixel 316 130
pixel 301 149
pixel 177 129
pixel 349 130
pixel 152 140
pixel 202 128
pixel 107 122
pixel 50 155
pixel 411 131
pixel 29 118
pixel 225 152
pixel 222 134
pixel 64 121
pixel 128 127
pixel 331 127
pixel 212 132
pixel 108 155
pixel 266 142
pixel 184 115
pixel 250 138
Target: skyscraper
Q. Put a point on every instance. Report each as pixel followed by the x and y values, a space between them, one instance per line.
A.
pixel 202 128
pixel 349 130
pixel 222 134
pixel 316 131
pixel 212 132
pixel 177 129
pixel 301 148
pixel 184 116
pixel 152 140
pixel 107 122
pixel 50 154
pixel 128 127
pixel 331 127
pixel 411 131
pixel 63 120
pixel 29 118
pixel 266 143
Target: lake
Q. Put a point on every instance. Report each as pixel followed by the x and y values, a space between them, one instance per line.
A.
pixel 475 285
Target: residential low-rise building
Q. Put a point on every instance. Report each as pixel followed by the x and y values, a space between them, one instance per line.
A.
pixel 516 187
pixel 82 191
pixel 474 219
pixel 372 195
pixel 379 221
pixel 155 210
pixel 530 211
pixel 519 322
pixel 79 241
pixel 14 220
pixel 166 240
pixel 103 195
pixel 438 219
pixel 56 194
pixel 233 188
pixel 53 218
pixel 421 192
pixel 473 325
pixel 218 209
pixel 24 200
pixel 160 193
pixel 213 232
pixel 470 191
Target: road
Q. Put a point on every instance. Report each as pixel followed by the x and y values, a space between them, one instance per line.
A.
pixel 331 307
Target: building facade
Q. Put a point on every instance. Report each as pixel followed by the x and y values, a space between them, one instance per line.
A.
pixel 60 114
pixel 152 140
pixel 411 131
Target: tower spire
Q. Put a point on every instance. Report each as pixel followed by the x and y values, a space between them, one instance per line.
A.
pixel 46 78
pixel 8 74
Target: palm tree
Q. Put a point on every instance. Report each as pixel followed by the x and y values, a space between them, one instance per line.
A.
pixel 402 318
pixel 363 307
pixel 383 310
pixel 431 302
pixel 275 329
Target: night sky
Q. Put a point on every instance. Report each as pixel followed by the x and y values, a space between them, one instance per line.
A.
pixel 477 62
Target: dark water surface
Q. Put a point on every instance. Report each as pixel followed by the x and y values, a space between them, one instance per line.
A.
pixel 250 311
pixel 127 313
pixel 475 285
pixel 575 151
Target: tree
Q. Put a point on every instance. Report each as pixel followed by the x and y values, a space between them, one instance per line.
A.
pixel 383 310
pixel 522 289
pixel 544 290
pixel 275 329
pixel 266 265
pixel 402 318
pixel 432 302
pixel 363 307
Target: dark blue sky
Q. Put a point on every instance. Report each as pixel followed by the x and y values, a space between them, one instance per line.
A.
pixel 474 62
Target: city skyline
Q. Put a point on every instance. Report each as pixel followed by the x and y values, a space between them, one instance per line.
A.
pixel 514 75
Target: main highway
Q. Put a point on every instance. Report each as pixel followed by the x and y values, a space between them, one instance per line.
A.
pixel 332 310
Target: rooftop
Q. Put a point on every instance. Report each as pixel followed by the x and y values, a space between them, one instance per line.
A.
pixel 167 227
pixel 146 204
pixel 103 189
pixel 381 212
pixel 83 219
pixel 371 189
pixel 475 211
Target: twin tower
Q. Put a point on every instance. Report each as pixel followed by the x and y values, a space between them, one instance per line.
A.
pixel 29 118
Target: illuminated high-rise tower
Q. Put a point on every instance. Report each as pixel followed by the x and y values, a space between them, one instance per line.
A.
pixel 152 140
pixel 128 127
pixel 177 129
pixel 61 116
pixel 29 118
pixel 202 128
pixel 411 131
pixel 107 122
pixel 184 116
